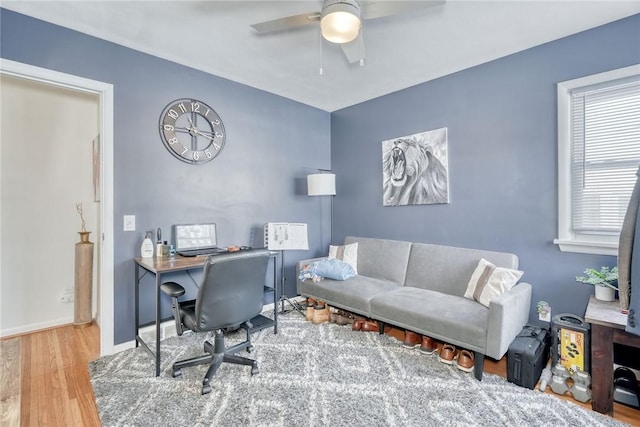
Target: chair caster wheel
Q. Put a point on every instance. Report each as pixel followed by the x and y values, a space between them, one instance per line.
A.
pixel 206 387
pixel 255 370
pixel 176 373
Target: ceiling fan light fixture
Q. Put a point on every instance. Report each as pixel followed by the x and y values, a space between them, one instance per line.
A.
pixel 340 22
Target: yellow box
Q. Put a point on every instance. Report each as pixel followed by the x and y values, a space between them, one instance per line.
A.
pixel 572 350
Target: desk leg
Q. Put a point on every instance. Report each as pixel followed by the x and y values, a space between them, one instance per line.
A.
pixel 158 282
pixel 602 369
pixel 136 302
pixel 275 295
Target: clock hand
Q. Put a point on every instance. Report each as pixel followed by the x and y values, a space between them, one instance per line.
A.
pixel 205 135
pixel 195 130
pixel 185 130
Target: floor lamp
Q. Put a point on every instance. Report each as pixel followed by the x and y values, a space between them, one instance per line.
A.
pixel 323 184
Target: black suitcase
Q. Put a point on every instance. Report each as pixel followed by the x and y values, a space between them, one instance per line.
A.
pixel 527 356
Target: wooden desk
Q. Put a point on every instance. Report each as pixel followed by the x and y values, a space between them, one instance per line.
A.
pixel 607 327
pixel 159 266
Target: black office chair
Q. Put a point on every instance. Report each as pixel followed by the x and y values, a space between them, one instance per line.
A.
pixel 230 295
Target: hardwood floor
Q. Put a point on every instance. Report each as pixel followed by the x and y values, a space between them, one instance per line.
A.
pixel 55 387
pixel 56 390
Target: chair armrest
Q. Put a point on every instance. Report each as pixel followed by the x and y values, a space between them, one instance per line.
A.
pixel 173 289
pixel 507 315
pixel 299 266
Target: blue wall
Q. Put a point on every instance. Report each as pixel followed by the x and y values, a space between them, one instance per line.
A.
pixel 501 118
pixel 258 178
pixel 502 125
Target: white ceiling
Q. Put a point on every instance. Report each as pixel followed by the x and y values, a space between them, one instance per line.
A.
pixel 402 51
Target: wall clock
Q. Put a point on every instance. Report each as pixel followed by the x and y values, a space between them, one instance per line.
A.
pixel 192 131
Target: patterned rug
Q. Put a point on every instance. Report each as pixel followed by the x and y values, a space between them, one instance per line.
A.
pixel 318 375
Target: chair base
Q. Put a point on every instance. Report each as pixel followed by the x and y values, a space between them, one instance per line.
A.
pixel 216 356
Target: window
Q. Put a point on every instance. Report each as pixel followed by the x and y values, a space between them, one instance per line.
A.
pixel 598 157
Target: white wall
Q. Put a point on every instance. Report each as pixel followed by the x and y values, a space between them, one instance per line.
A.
pixel 45 169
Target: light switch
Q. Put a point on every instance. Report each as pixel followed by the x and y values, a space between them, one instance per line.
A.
pixel 129 223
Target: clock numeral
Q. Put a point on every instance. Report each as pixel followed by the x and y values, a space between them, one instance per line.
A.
pixel 185 150
pixel 217 147
pixel 173 140
pixel 196 155
pixel 215 122
pixel 173 114
pixel 195 107
pixel 208 154
pixel 205 114
pixel 218 135
pixel 182 107
pixel 169 127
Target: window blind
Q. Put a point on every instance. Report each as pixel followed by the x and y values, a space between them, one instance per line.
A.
pixel 605 140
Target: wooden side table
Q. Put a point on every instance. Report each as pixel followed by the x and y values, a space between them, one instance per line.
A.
pixel 607 327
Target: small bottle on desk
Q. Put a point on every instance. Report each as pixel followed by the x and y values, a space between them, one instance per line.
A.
pixel 146 249
pixel 159 251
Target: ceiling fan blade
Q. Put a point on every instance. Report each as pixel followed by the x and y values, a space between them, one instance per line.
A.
pixel 379 9
pixel 354 50
pixel 287 23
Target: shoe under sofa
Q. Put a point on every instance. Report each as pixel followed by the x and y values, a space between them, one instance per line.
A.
pixel 421 287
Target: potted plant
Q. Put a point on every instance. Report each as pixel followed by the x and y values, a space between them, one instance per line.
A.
pixel 604 281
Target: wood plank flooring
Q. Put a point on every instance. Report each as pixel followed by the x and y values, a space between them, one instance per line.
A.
pixel 56 390
pixel 10 382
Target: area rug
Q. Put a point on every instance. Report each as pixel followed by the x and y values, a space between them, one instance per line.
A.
pixel 318 375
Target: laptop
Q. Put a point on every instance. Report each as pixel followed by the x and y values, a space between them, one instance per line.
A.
pixel 196 239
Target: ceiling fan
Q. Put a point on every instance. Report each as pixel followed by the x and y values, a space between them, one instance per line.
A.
pixel 341 21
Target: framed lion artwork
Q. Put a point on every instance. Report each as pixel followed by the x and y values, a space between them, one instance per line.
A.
pixel 415 169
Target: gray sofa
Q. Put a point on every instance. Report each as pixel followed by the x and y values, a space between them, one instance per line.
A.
pixel 420 287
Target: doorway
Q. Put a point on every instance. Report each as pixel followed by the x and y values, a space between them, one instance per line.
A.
pixel 57 133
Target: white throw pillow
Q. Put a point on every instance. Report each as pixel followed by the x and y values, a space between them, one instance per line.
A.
pixel 489 281
pixel 347 254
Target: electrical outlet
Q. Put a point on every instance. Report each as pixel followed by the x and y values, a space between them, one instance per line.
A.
pixel 129 223
pixel 67 295
pixel 545 317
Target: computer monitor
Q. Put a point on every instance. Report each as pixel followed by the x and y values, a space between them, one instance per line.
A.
pixel 194 236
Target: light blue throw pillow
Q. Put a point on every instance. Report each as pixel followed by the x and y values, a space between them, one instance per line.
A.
pixel 333 269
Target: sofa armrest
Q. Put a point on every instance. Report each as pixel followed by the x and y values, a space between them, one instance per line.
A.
pixel 507 315
pixel 299 265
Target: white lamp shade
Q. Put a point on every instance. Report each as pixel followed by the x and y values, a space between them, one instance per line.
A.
pixel 340 21
pixel 321 184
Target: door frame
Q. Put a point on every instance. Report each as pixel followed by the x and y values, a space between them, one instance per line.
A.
pixel 105 93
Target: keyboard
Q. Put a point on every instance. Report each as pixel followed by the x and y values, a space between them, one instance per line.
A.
pixel 206 251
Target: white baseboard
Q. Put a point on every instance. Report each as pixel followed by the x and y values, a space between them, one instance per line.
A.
pixel 168 329
pixel 34 327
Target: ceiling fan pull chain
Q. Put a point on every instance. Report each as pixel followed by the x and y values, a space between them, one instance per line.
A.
pixel 320 42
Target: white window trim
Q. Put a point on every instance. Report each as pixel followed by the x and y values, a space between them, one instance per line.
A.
pixel 567 239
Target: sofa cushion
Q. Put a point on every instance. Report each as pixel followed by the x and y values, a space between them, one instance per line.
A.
pixel 488 282
pixel 346 253
pixel 332 269
pixel 353 294
pixel 448 269
pixel 449 318
pixel 382 259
